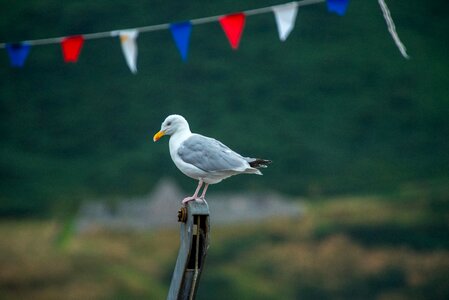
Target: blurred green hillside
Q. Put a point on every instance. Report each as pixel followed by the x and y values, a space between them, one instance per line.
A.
pixel 335 107
pixel 379 248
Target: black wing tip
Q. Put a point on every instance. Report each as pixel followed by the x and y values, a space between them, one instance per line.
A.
pixel 260 163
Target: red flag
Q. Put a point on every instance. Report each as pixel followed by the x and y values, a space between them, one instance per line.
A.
pixel 233 28
pixel 71 48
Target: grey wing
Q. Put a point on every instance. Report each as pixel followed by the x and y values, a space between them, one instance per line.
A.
pixel 210 155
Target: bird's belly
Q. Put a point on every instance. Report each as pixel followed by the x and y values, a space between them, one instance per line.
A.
pixel 191 170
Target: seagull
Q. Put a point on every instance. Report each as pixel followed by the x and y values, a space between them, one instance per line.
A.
pixel 203 158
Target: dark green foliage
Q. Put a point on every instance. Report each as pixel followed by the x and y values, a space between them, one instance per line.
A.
pixel 335 106
pixel 418 237
pixel 429 231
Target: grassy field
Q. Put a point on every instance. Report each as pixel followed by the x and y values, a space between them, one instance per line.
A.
pixel 371 247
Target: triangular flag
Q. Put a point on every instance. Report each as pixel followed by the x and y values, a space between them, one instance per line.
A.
pixel 285 16
pixel 18 53
pixel 181 34
pixel 233 28
pixel 337 6
pixel 71 48
pixel 129 47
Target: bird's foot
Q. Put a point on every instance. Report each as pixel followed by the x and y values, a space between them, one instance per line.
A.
pixel 188 199
pixel 202 199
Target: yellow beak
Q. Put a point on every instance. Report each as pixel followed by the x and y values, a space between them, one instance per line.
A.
pixel 158 135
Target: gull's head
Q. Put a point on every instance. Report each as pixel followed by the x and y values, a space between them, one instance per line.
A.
pixel 171 125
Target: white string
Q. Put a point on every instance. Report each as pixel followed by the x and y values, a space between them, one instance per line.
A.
pixel 392 28
pixel 105 34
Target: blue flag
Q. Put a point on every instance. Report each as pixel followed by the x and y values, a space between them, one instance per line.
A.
pixel 18 53
pixel 337 6
pixel 181 34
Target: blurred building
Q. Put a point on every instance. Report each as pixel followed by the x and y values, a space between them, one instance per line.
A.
pixel 159 209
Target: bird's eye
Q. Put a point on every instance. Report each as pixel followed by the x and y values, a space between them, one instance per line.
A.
pixel 168 123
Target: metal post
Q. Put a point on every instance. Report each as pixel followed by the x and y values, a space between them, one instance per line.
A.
pixel 194 233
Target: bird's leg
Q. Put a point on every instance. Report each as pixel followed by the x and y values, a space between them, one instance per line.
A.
pixel 187 199
pixel 203 195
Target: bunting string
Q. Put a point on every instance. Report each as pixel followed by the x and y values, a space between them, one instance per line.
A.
pixel 164 26
pixel 232 25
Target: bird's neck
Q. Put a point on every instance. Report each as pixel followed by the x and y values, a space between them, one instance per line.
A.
pixel 182 133
pixel 179 136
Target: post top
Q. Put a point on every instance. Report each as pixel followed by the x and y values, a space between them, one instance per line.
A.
pixel 198 208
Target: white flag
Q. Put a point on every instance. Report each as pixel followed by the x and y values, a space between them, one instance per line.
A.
pixel 129 47
pixel 285 16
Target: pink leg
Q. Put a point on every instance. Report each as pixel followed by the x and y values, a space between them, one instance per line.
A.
pixel 203 195
pixel 200 183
